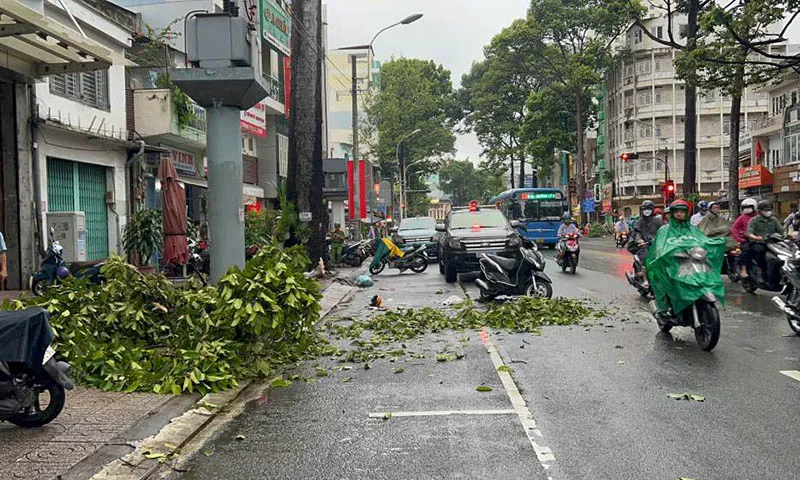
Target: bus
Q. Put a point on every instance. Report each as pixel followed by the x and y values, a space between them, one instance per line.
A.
pixel 540 210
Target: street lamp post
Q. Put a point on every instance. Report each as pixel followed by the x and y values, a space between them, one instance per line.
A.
pixel 405 182
pixel 354 97
pixel 402 170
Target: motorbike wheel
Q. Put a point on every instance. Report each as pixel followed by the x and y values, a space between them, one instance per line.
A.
pixel 794 323
pixel 419 265
pixel 749 285
pixel 39 286
pixel 663 325
pixel 543 290
pixel 573 264
pixel 707 334
pixel 376 270
pixel 733 275
pixel 35 416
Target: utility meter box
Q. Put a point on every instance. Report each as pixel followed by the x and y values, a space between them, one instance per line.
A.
pixel 217 41
pixel 69 228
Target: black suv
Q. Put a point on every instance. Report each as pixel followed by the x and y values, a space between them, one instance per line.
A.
pixel 468 233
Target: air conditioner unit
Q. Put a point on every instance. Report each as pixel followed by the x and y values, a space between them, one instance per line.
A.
pixel 69 228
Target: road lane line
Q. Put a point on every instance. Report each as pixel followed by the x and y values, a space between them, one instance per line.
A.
pixel 543 453
pixel 441 413
pixel 795 374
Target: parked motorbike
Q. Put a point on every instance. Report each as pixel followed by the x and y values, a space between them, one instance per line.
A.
pixel 32 382
pixel 791 291
pixel 778 251
pixel 523 275
pixel 55 269
pixel 636 279
pixel 414 259
pixel 354 254
pixel 702 316
pixel 622 239
pixel 569 251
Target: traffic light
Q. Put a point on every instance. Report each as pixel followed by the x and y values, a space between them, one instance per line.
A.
pixel 669 192
pixel 473 206
pixel 629 156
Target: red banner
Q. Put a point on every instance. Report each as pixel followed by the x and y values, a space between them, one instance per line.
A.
pixel 362 188
pixel 351 191
pixel 287 86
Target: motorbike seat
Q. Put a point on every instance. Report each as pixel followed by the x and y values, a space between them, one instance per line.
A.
pixel 505 263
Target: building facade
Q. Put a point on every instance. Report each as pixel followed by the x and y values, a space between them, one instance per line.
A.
pixel 644 113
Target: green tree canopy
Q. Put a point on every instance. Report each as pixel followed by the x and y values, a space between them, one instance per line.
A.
pixel 462 181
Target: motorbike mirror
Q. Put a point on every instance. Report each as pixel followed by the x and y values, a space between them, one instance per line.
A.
pixel 440 227
pixel 52 232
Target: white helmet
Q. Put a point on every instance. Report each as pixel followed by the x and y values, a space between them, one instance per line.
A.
pixel 749 202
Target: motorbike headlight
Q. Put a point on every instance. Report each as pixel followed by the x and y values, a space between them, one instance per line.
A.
pixel 455 243
pixel 698 254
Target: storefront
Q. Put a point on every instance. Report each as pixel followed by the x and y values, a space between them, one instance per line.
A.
pixel 755 181
pixel 786 189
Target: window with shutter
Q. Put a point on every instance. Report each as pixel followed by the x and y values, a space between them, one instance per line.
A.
pixel 90 88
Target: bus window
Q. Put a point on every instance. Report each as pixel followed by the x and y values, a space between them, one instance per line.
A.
pixel 544 210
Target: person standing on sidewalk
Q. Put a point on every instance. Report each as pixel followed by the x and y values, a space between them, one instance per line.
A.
pixel 337 243
pixel 3 262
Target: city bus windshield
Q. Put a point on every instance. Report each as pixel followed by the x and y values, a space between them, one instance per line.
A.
pixel 543 210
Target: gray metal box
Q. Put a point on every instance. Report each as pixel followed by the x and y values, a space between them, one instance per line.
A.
pixel 69 228
pixel 217 40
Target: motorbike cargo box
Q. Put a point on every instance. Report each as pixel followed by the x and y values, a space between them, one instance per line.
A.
pixel 25 336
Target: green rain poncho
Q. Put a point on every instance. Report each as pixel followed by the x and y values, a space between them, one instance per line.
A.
pixel 678 282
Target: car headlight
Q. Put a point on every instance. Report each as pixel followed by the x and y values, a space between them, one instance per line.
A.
pixel 513 241
pixel 455 243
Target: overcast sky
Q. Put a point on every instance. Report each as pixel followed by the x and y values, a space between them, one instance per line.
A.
pixel 452 33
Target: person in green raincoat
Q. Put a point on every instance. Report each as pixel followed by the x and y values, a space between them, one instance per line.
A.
pixel 678 282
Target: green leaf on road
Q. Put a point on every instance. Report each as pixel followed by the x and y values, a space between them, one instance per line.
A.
pixel 687 396
pixel 367 366
pixel 281 382
pixel 387 415
pixel 400 370
pixel 346 379
pixel 484 388
pixel 153 455
pixel 505 368
pixel 321 372
pixel 208 452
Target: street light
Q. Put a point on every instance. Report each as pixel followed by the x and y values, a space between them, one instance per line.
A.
pixel 354 98
pixel 402 169
pixel 405 182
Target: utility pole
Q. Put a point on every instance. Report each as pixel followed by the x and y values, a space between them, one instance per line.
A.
pixel 356 178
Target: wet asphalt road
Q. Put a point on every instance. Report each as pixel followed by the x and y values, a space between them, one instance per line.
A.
pixel 581 403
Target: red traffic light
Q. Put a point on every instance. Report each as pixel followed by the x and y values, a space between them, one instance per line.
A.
pixel 629 156
pixel 624 157
pixel 671 187
pixel 473 206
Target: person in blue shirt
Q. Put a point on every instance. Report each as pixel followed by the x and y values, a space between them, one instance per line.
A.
pixel 567 227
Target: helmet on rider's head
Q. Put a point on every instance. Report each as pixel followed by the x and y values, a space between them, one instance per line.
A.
pixel 657 211
pixel 679 204
pixel 749 202
pixel 566 218
pixel 647 208
pixel 702 205
pixel 764 205
pixel 666 210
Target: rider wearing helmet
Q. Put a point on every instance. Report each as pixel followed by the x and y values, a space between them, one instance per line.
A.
pixel 739 232
pixel 702 208
pixel 644 231
pixel 567 227
pixel 665 216
pixel 760 227
pixel 713 224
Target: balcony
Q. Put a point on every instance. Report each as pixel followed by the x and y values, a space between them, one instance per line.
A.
pixel 767 126
pixel 157 119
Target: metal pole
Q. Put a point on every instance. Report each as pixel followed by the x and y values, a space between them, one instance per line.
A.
pixel 356 178
pixel 226 210
pixel 400 166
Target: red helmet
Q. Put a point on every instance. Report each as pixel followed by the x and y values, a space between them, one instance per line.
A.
pixel 679 204
pixel 657 211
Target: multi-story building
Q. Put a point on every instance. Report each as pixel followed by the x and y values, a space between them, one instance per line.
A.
pixel 265 143
pixel 63 137
pixel 644 113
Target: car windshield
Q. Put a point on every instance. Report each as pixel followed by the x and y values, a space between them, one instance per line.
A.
pixel 483 218
pixel 421 223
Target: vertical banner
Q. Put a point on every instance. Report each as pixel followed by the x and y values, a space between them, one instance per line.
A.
pixel 362 188
pixel 351 194
pixel 287 86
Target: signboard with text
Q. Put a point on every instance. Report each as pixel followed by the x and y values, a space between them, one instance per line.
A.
pixel 276 24
pixel 254 120
pixel 184 162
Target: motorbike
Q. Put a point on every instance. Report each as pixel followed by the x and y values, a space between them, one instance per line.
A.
pixel 414 259
pixel 730 266
pixel 778 251
pixel 354 254
pixel 791 291
pixel 523 275
pixel 702 316
pixel 54 269
pixel 622 239
pixel 33 383
pixel 636 279
pixel 568 252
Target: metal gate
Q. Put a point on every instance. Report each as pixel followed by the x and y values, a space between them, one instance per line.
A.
pixel 81 187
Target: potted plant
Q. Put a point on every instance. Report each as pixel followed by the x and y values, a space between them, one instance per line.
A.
pixel 143 236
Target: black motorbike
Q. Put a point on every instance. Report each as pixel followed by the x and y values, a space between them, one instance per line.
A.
pixel 622 239
pixel 32 382
pixel 414 259
pixel 523 275
pixel 635 278
pixel 790 303
pixel 354 254
pixel 54 269
pixel 772 279
pixel 702 316
pixel 568 253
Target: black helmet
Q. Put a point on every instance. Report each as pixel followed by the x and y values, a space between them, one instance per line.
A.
pixel 648 204
pixel 764 205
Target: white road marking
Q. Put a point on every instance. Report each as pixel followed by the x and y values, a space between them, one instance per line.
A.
pixel 441 413
pixel 543 453
pixel 795 374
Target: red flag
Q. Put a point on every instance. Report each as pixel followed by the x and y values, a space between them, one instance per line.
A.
pixel 759 150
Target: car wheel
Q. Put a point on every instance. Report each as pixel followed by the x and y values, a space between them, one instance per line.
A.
pixel 450 274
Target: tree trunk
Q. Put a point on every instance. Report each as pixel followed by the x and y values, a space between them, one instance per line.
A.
pixel 733 148
pixel 303 140
pixel 690 114
pixel 511 163
pixel 579 164
pixel 522 172
pixel 319 206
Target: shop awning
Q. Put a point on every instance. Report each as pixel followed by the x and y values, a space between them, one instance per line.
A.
pixel 49 46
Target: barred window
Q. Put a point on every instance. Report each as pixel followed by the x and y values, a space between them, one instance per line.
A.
pixel 90 88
